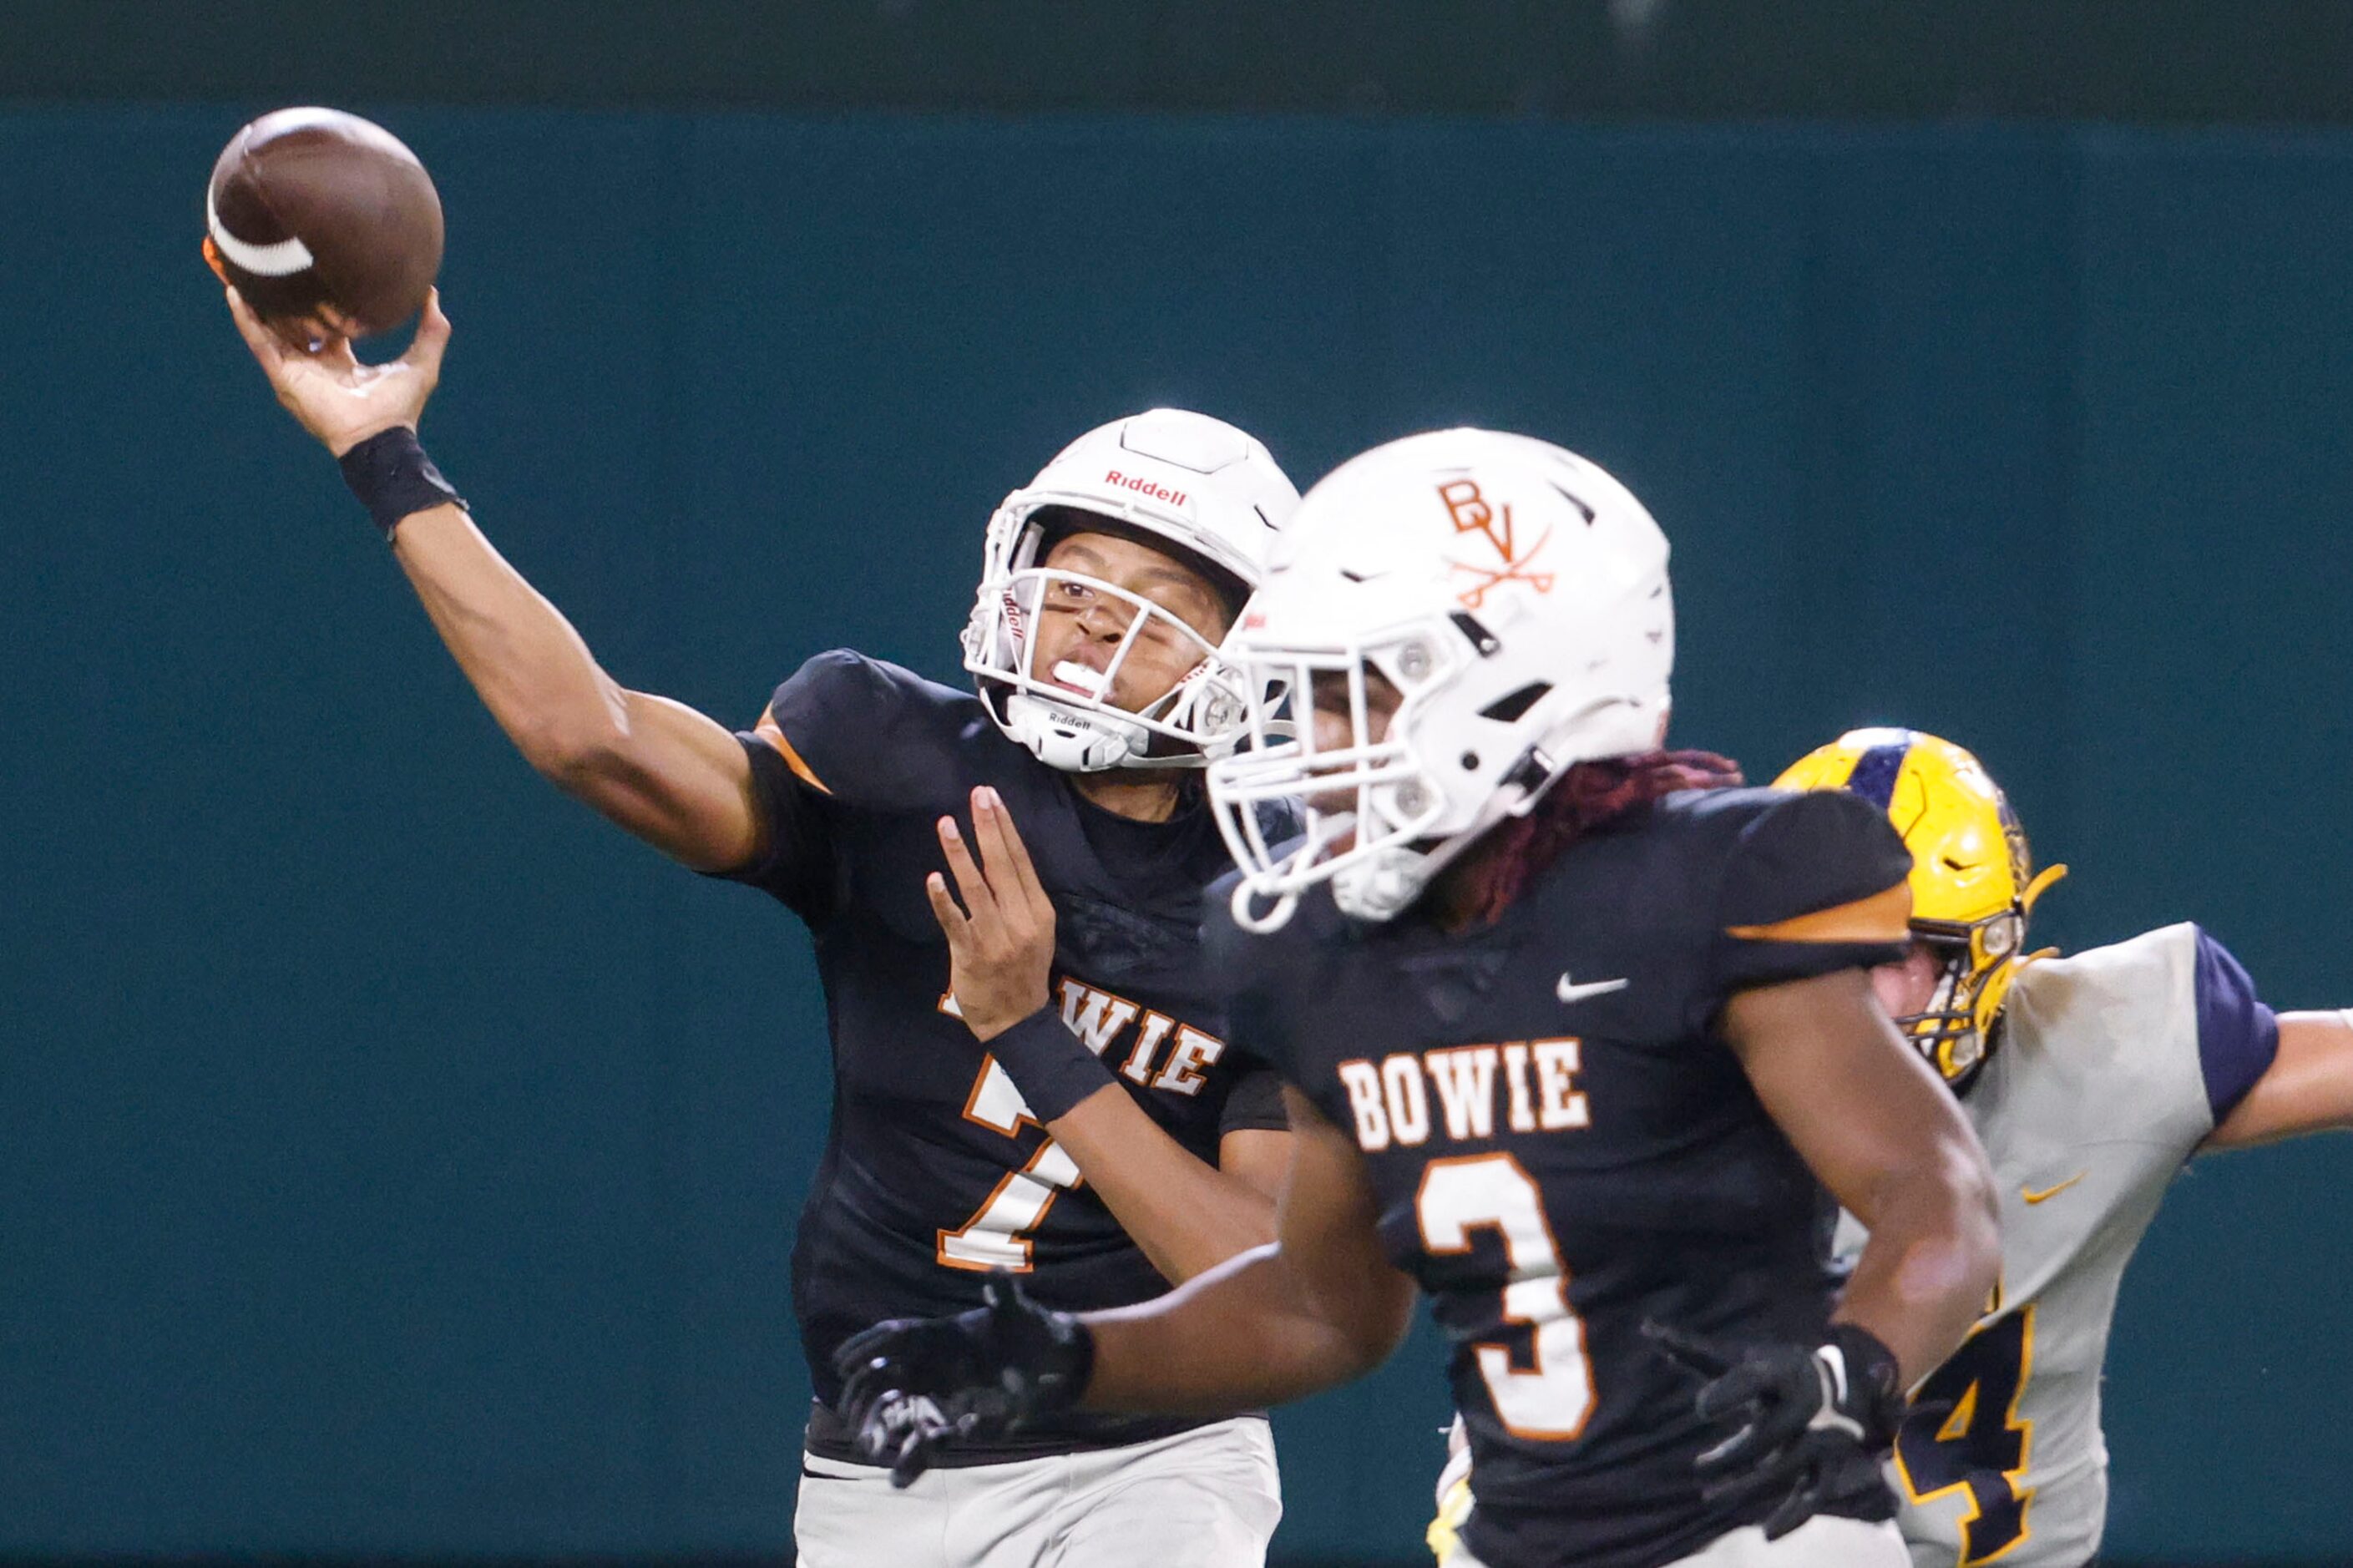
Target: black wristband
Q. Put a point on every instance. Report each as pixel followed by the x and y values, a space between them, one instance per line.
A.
pixel 1047 1064
pixel 392 478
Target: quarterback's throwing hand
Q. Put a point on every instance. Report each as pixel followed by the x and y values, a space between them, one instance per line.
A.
pixel 338 399
pixel 1002 942
pixel 1812 1422
pixel 912 1386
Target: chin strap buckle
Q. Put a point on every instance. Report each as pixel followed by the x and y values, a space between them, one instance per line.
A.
pixel 1529 775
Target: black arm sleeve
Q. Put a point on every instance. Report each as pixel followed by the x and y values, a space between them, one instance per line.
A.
pixel 797 867
pixel 1254 1105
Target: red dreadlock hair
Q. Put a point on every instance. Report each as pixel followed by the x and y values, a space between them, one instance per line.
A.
pixel 1585 799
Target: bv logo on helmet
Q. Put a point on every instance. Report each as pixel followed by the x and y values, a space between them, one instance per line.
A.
pixel 1471 514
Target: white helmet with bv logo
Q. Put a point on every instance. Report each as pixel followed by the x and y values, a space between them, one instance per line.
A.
pixel 1193 487
pixel 1515 597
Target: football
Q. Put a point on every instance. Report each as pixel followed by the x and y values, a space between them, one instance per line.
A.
pixel 320 218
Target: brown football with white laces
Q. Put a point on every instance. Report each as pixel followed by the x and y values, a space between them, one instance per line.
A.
pixel 320 218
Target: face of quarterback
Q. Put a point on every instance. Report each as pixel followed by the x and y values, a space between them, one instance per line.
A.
pixel 1908 988
pixel 1081 626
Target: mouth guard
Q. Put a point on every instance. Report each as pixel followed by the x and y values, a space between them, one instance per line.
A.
pixel 1090 681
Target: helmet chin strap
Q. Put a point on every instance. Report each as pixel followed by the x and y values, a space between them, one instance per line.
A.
pixel 1967 1053
pixel 1385 882
pixel 1069 739
pixel 1381 886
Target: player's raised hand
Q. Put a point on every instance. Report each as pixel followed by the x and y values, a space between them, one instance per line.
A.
pixel 334 395
pixel 913 1386
pixel 1001 941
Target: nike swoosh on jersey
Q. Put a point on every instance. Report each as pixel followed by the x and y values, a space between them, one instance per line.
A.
pixel 2031 1196
pixel 1570 991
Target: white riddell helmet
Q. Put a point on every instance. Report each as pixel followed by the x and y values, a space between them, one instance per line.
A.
pixel 1513 592
pixel 1208 492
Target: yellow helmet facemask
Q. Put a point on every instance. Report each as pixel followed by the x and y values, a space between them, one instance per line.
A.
pixel 1972 878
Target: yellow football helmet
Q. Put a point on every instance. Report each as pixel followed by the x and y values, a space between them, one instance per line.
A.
pixel 1973 878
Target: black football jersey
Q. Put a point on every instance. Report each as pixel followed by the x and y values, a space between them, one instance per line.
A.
pixel 934 1171
pixel 1562 1145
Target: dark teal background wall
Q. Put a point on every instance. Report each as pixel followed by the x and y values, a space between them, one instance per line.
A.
pixel 393 1158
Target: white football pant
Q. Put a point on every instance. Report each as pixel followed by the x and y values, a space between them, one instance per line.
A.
pixel 1208 1497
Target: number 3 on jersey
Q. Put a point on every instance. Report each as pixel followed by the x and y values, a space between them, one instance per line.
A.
pixel 998 1237
pixel 1550 1402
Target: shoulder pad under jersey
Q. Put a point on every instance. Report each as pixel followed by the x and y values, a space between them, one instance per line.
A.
pixel 1812 881
pixel 870 733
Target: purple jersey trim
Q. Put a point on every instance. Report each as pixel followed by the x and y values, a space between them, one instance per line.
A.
pixel 2237 1035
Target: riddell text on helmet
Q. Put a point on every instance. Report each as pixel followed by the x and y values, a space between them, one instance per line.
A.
pixel 1142 485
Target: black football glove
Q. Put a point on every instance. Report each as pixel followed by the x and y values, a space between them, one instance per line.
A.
pixel 1814 1423
pixel 915 1385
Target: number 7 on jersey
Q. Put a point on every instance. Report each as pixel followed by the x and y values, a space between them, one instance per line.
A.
pixel 998 1236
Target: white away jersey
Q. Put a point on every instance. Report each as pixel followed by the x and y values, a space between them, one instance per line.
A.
pixel 2113 1068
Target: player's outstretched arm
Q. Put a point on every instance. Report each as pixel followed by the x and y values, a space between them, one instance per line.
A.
pixel 1314 1310
pixel 1186 1214
pixel 1320 1307
pixel 671 776
pixel 2308 1088
pixel 666 773
pixel 1890 1143
pixel 1307 1312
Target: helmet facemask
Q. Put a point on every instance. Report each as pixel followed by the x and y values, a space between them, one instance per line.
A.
pixel 1367 803
pixel 1949 1032
pixel 1979 961
pixel 1066 714
pixel 1385 813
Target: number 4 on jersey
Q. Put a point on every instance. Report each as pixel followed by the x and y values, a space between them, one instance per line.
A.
pixel 1963 1435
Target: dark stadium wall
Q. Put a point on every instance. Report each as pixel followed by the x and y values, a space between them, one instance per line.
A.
pixel 397 1161
pixel 2153 61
